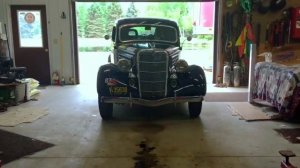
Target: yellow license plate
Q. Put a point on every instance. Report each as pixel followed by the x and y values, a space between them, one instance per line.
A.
pixel 118 90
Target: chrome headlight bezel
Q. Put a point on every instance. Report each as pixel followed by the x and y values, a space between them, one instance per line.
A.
pixel 181 66
pixel 124 65
pixel 131 79
pixel 173 80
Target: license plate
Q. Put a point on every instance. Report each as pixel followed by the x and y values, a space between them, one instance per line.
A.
pixel 118 90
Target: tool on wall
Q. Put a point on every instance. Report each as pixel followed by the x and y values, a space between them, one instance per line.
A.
pixel 229 3
pixel 246 5
pixel 61 41
pixel 267 37
pixel 228 37
pixel 245 39
pixel 263 6
pixel 8 71
pixel 277 5
pixel 232 26
pixel 257 33
pixel 295 23
pixel 278 32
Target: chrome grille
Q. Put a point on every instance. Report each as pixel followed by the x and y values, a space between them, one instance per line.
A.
pixel 152 73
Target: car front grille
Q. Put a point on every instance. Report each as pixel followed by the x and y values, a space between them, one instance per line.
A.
pixel 152 73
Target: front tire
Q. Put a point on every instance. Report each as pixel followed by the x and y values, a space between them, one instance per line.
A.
pixel 106 109
pixel 195 109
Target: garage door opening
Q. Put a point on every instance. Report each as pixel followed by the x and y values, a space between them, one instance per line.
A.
pixel 95 19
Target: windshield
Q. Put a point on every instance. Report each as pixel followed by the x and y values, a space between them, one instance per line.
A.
pixel 158 33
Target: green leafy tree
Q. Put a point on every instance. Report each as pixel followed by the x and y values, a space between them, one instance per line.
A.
pixel 82 14
pixel 177 11
pixel 187 25
pixel 96 17
pixel 101 18
pixel 114 12
pixel 132 11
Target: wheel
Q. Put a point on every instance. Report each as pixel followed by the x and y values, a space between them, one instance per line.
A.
pixel 105 109
pixel 195 109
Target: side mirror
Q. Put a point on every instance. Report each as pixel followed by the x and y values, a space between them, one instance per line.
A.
pixel 106 37
pixel 188 38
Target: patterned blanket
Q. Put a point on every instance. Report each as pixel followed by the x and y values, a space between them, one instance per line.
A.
pixel 279 85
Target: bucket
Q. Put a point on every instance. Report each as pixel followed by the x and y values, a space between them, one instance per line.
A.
pixel 22 92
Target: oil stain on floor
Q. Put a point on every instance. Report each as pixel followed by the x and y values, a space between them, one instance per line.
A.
pixel 145 157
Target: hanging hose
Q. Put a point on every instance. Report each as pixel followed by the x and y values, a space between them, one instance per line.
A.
pixel 237 25
pixel 62 59
pixel 246 5
pixel 228 32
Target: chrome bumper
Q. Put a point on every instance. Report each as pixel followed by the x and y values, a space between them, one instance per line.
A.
pixel 151 103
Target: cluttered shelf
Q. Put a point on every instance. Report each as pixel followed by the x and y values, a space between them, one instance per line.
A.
pixel 17 92
pixel 288 54
pixel 282 34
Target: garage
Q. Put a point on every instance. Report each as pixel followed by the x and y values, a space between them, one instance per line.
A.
pixel 50 94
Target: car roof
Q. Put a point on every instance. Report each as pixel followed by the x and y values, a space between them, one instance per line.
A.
pixel 146 21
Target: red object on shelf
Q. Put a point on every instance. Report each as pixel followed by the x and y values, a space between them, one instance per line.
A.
pixel 295 23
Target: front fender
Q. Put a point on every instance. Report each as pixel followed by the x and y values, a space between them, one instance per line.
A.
pixel 111 81
pixel 192 82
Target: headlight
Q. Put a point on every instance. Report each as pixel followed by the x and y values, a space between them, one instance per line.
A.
pixel 173 80
pixel 124 65
pixel 181 66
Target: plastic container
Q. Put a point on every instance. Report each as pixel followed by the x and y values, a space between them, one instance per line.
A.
pixel 22 92
pixel 226 74
pixel 236 75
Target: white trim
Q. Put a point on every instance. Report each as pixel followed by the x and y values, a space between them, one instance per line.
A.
pixel 219 39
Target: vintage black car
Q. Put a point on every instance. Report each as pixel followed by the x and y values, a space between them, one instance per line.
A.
pixel 145 68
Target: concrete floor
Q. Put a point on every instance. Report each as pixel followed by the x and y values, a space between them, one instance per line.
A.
pixel 83 140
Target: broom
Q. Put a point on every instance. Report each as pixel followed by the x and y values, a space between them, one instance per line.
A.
pixel 62 80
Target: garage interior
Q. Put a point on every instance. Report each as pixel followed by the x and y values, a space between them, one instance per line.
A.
pixel 74 135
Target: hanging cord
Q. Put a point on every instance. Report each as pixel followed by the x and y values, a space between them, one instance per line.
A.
pixel 228 37
pixel 237 22
pixel 246 5
pixel 8 47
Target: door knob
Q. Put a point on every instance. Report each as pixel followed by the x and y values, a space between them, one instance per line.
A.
pixel 46 50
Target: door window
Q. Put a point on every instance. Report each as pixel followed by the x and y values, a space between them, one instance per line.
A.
pixel 30 29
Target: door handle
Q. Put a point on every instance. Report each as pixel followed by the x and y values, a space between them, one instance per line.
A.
pixel 46 50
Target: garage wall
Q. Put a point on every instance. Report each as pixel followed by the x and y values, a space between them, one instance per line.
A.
pixel 59 31
pixel 264 20
pixel 278 52
pixel 58 28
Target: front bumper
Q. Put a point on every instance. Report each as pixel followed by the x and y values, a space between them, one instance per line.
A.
pixel 152 103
